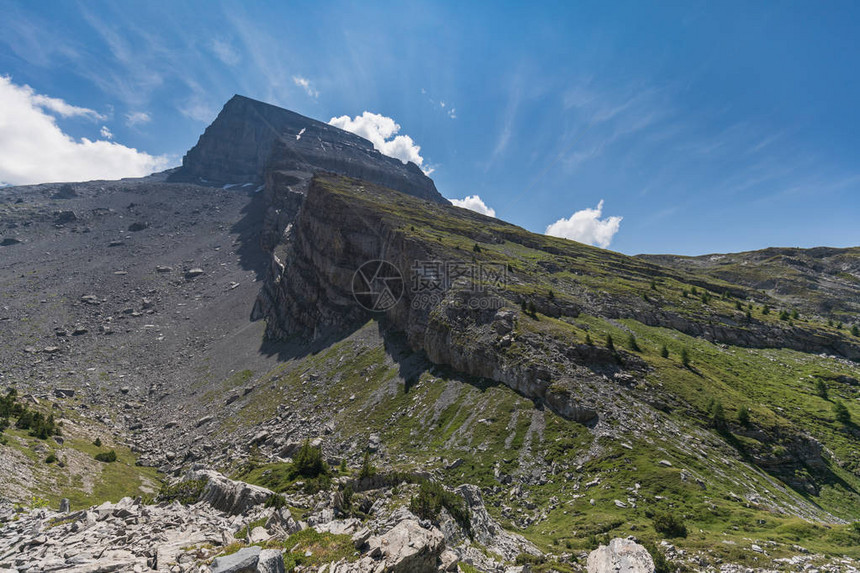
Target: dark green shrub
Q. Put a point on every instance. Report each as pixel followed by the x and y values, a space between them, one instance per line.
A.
pixel 276 501
pixel 744 415
pixel 367 467
pixel 529 559
pixel 669 525
pixel 821 388
pixel 610 344
pixel 185 492
pixel 430 500
pixel 765 310
pixel 588 340
pixel 664 351
pixel 9 407
pixel 631 342
pixel 348 493
pixel 841 413
pixel 107 457
pixel 51 458
pixel 718 414
pixel 98 442
pixel 661 564
pixel 855 331
pixel 685 357
pixel 308 462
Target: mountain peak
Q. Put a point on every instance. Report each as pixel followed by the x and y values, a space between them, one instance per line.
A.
pixel 250 138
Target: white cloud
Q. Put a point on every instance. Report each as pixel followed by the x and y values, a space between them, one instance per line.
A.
pixel 305 84
pixel 586 226
pixel 59 106
pixel 33 149
pixel 137 118
pixel 105 132
pixel 382 131
pixel 452 113
pixel 225 52
pixel 474 203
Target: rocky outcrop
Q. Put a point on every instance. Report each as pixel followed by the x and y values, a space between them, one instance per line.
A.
pixel 620 556
pixel 243 561
pixel 488 532
pixel 337 231
pixel 126 536
pixel 408 548
pixel 232 497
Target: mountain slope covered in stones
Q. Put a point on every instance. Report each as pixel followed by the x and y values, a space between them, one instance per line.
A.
pixel 565 394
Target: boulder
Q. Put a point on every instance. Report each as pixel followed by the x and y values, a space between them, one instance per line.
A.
pixel 233 497
pixel 620 556
pixel 243 561
pixel 408 548
pixel 64 217
pixel 271 561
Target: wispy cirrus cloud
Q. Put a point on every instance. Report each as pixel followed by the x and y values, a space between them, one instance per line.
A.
pixel 62 108
pixel 135 118
pixel 225 51
pixel 305 84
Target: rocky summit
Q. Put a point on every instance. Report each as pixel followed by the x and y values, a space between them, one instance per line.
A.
pixel 293 354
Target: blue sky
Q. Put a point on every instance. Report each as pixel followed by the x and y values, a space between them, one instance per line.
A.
pixel 707 127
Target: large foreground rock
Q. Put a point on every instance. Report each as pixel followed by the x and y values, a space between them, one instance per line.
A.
pixel 243 561
pixel 408 548
pixel 620 556
pixel 233 497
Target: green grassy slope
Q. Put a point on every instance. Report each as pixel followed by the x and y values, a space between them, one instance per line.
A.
pixel 787 475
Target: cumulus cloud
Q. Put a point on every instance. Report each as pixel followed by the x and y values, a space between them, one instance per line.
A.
pixel 305 84
pixel 382 131
pixel 137 118
pixel 33 148
pixel 105 132
pixel 474 203
pixel 586 226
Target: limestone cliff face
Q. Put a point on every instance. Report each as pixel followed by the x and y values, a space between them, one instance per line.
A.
pixel 312 294
pixel 344 223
